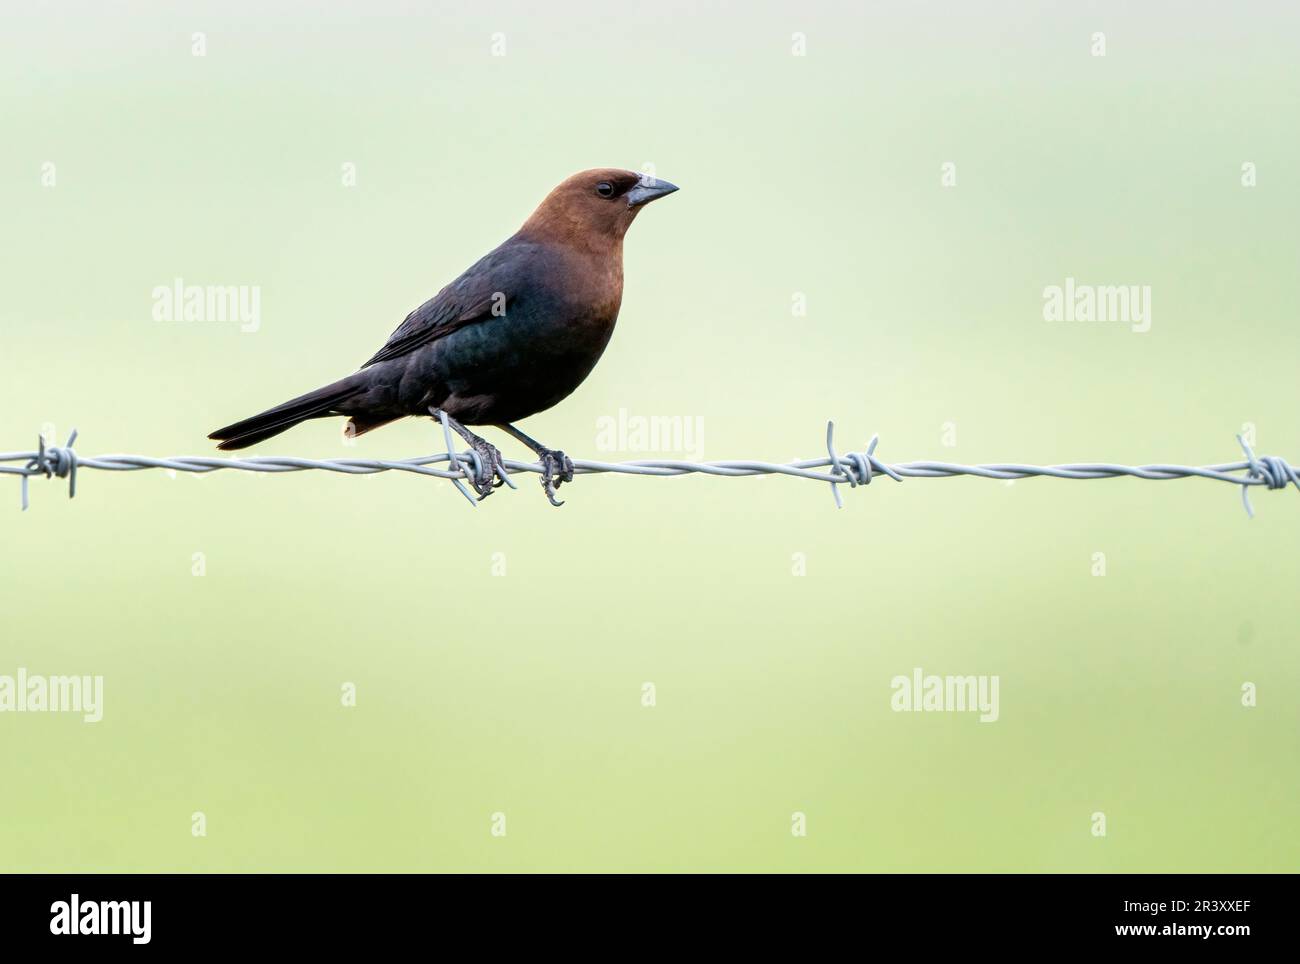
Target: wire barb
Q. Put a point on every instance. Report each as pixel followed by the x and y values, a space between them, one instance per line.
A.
pixel 54 461
pixel 853 468
pixel 455 462
pixel 1270 470
pixel 861 465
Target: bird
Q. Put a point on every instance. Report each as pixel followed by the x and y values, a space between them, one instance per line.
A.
pixel 514 335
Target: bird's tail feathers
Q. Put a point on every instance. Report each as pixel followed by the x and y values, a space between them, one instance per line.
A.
pixel 317 404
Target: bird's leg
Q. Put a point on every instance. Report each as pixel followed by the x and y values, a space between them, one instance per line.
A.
pixel 557 468
pixel 491 472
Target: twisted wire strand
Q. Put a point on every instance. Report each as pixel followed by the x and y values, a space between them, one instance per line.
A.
pixel 852 469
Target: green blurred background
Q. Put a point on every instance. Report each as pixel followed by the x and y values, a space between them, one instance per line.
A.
pixel 521 693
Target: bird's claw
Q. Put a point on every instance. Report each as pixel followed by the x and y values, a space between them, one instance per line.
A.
pixel 557 468
pixel 490 473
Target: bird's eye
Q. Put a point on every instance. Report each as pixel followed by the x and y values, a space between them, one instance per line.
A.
pixel 605 189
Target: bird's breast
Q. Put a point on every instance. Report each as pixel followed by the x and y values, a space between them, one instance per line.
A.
pixel 533 355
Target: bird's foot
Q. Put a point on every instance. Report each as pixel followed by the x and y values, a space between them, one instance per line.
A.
pixel 557 468
pixel 491 471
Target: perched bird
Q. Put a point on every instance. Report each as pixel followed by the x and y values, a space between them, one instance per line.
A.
pixel 512 336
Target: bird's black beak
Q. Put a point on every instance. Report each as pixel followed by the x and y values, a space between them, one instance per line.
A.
pixel 647 189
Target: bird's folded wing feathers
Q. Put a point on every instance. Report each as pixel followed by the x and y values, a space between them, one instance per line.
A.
pixel 475 296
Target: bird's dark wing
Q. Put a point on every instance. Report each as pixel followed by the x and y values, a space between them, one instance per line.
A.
pixel 482 292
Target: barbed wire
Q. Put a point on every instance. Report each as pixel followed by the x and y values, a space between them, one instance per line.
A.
pixel 852 468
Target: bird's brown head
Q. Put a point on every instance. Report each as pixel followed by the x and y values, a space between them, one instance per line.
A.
pixel 596 206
